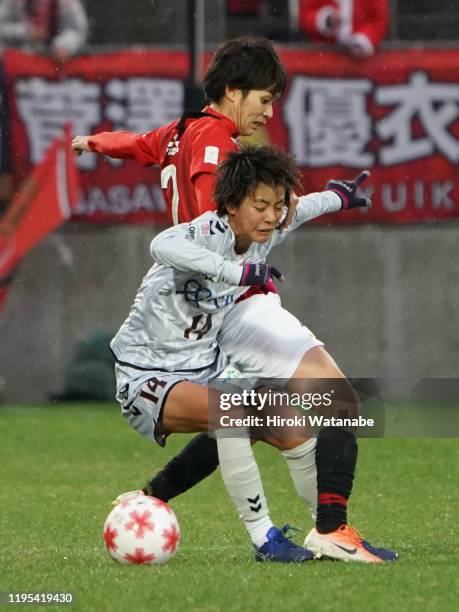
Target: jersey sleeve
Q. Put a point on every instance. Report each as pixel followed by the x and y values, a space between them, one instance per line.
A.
pixel 126 145
pixel 314 205
pixel 209 148
pixel 309 207
pixel 180 247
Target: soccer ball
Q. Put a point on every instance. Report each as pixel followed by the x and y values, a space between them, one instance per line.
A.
pixel 142 529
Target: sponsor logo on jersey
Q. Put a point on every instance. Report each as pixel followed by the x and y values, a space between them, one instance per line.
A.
pixel 173 146
pixel 192 231
pixel 198 294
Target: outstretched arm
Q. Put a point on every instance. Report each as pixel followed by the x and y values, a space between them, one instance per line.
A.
pixel 338 196
pixel 175 247
pixel 122 145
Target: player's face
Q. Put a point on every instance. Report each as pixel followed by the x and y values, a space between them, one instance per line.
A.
pixel 257 216
pixel 253 110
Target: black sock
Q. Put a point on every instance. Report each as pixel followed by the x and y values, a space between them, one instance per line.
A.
pixel 195 462
pixel 336 458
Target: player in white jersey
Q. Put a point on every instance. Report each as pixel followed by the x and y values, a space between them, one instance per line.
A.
pixel 200 270
pixel 196 280
pixel 182 301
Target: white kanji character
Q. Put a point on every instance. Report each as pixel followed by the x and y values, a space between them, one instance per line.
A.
pixel 141 104
pixel 328 121
pixel 45 106
pixel 435 105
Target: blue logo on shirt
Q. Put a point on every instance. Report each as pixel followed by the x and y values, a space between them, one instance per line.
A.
pixel 197 294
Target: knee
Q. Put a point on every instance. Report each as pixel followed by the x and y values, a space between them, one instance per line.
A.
pixel 284 444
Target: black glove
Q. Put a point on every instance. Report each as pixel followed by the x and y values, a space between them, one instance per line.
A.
pixel 346 190
pixel 259 274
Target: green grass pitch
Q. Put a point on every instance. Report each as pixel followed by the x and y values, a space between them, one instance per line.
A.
pixel 62 465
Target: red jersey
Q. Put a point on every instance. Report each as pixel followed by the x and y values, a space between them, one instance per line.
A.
pixel 188 151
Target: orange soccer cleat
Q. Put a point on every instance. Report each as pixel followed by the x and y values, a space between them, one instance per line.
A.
pixel 346 544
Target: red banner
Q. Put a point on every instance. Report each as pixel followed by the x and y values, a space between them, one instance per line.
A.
pixel 135 91
pixel 396 114
pixel 46 200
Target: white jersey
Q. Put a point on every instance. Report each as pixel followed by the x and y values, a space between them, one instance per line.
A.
pixel 179 308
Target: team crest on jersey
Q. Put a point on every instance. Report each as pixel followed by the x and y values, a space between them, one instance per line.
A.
pixel 173 146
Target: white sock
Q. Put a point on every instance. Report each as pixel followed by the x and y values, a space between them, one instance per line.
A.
pixel 242 479
pixel 301 462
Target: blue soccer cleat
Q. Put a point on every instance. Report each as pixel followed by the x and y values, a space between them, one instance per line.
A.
pixel 281 549
pixel 383 553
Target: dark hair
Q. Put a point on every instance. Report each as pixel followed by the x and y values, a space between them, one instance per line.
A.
pixel 244 63
pixel 244 170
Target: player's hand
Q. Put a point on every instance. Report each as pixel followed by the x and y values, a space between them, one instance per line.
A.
pixel 291 208
pixel 259 274
pixel 80 144
pixel 347 191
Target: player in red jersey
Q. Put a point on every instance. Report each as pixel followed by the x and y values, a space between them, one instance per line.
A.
pixel 189 149
pixel 242 83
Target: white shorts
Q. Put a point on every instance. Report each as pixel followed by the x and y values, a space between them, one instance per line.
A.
pixel 142 393
pixel 263 340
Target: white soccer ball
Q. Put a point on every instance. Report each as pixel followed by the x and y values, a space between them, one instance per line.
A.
pixel 142 529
